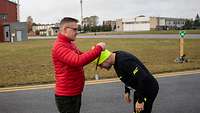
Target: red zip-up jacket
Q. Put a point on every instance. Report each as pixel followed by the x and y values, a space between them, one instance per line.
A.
pixel 68 63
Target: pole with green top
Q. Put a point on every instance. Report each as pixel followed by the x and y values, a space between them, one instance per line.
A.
pixel 181 58
pixel 182 34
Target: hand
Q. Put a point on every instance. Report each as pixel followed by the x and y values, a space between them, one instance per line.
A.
pixel 92 47
pixel 139 107
pixel 102 44
pixel 127 98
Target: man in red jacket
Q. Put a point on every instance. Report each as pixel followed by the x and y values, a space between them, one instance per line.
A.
pixel 68 63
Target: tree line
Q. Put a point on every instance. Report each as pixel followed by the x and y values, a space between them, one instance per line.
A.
pixel 192 24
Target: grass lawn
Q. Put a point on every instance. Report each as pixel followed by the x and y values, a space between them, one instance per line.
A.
pixel 29 62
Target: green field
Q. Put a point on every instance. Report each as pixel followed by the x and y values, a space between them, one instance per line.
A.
pixel 29 62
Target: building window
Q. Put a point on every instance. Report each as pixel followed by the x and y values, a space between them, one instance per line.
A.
pixel 3 16
pixel 175 22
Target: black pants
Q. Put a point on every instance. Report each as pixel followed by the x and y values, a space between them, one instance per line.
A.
pixel 68 104
pixel 149 100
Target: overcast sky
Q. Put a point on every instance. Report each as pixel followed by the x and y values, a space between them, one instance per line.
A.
pixel 52 11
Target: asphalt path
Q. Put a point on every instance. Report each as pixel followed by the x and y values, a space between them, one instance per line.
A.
pixel 178 94
pixel 146 36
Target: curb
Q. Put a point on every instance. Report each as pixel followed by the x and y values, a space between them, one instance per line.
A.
pixel 93 82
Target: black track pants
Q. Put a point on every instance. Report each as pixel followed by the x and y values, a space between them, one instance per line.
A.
pixel 68 104
pixel 149 102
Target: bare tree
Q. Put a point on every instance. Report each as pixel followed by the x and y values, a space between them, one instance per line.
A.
pixel 29 23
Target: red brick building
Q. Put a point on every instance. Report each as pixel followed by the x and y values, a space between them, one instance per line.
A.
pixel 8 14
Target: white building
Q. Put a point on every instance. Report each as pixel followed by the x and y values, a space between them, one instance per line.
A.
pixel 45 29
pixel 142 23
pixel 52 31
pixel 165 23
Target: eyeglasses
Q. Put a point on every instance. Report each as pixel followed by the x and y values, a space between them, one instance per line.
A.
pixel 75 29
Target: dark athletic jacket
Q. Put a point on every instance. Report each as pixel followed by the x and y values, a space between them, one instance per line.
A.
pixel 135 75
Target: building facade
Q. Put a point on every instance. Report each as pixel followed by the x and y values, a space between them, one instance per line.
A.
pixel 53 31
pixel 46 29
pixel 110 23
pixel 8 14
pixel 18 31
pixel 142 23
pixel 91 21
pixel 165 23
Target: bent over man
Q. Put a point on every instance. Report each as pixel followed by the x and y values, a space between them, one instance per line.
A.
pixel 134 75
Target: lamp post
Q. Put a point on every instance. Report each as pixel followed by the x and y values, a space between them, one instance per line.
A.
pixel 18 17
pixel 81 1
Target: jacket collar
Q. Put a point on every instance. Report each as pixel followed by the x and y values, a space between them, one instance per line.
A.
pixel 63 38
